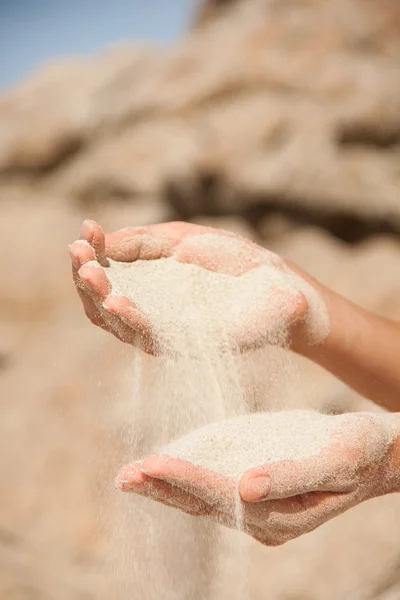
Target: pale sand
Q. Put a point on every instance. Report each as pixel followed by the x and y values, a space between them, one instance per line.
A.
pixel 181 298
pixel 235 445
pixel 197 379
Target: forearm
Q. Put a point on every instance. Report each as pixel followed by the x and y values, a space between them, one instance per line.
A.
pixel 362 349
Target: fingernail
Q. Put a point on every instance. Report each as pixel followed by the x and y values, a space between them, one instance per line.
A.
pixel 128 486
pixel 147 467
pixel 128 479
pixel 144 468
pixel 121 484
pixel 86 231
pixel 259 487
pixel 74 259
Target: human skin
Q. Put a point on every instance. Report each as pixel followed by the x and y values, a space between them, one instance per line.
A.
pixel 349 351
pixel 283 500
pixel 181 242
pixel 361 349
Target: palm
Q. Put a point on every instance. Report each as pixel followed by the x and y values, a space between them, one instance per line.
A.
pixel 186 243
pixel 300 494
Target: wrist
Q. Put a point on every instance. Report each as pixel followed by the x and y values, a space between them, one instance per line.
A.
pixel 304 344
pixel 342 335
pixel 310 329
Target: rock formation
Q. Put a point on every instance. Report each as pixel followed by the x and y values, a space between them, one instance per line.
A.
pixel 279 119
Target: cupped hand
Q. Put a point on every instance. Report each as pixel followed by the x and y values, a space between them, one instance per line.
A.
pixel 185 243
pixel 283 500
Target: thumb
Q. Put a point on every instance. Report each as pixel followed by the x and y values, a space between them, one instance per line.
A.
pixel 137 243
pixel 327 472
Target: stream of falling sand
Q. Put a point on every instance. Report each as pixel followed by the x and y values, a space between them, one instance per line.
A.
pixel 197 378
pixel 163 553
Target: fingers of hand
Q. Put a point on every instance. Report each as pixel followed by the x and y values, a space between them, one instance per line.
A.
pixel 207 485
pixel 216 492
pixel 93 287
pixel 276 522
pixel 96 281
pixel 91 246
pixel 138 243
pixel 272 523
pixel 112 313
pixel 326 472
pixel 132 318
pixel 281 480
pixel 126 245
pixel 94 235
pixel 349 464
pixel 131 479
pixel 308 511
pixel 238 256
pixel 254 487
pixel 80 252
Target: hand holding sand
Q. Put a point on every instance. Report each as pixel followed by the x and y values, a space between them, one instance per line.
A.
pixel 133 280
pixel 312 467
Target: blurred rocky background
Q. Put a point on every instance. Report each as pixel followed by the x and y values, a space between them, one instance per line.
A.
pixel 278 119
